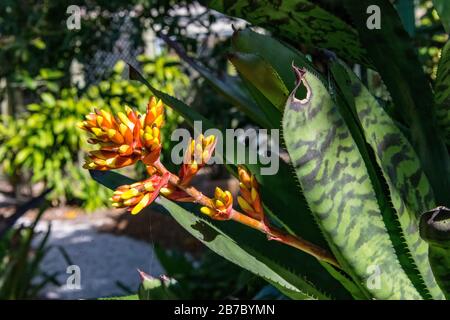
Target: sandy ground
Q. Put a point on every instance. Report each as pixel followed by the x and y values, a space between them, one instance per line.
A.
pixel 108 246
pixel 103 260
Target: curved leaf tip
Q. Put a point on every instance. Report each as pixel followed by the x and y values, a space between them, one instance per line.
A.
pixel 293 102
pixel 435 226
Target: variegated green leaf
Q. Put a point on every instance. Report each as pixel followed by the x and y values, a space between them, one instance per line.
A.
pixel 442 93
pixel 338 189
pixel 409 188
pixel 435 229
pixel 300 21
pixel 346 107
pixel 395 58
pixel 277 54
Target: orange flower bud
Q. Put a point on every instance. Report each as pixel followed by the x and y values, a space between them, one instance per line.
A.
pixel 249 199
pixel 197 155
pixel 221 205
pixel 150 134
pixel 139 195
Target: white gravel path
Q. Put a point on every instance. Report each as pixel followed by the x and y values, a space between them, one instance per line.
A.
pixel 103 259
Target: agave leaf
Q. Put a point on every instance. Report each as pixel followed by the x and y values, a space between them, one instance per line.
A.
pixel 230 87
pixel 337 187
pixel 279 55
pixel 269 109
pixel 394 57
pixel 300 21
pixel 295 273
pixel 346 107
pixel 409 188
pixel 435 229
pixel 442 93
pixel 261 74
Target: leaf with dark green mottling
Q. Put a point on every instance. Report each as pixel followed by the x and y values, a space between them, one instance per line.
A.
pixel 337 187
pixel 299 21
pixel 394 57
pixel 435 229
pixel 409 189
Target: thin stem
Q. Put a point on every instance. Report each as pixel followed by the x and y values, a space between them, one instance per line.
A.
pixel 271 232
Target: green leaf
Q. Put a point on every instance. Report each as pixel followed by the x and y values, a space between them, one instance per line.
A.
pixel 110 179
pixel 23 155
pixel 261 74
pixel 38 43
pixel 295 273
pixel 129 297
pixel 443 9
pixel 269 109
pixel 442 94
pixel 338 189
pixel 230 87
pixel 48 99
pixel 234 251
pixel 409 189
pixel 156 289
pixel 279 55
pixel 301 22
pixel 50 74
pixel 435 229
pixel 394 57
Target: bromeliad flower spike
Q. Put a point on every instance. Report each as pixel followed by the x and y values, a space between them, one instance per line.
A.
pixel 129 137
pixel 124 139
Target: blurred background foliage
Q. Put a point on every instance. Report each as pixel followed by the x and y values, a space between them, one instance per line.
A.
pixel 430 36
pixel 43 144
pixel 21 253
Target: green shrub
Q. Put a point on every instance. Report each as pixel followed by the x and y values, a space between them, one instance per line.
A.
pixel 43 144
